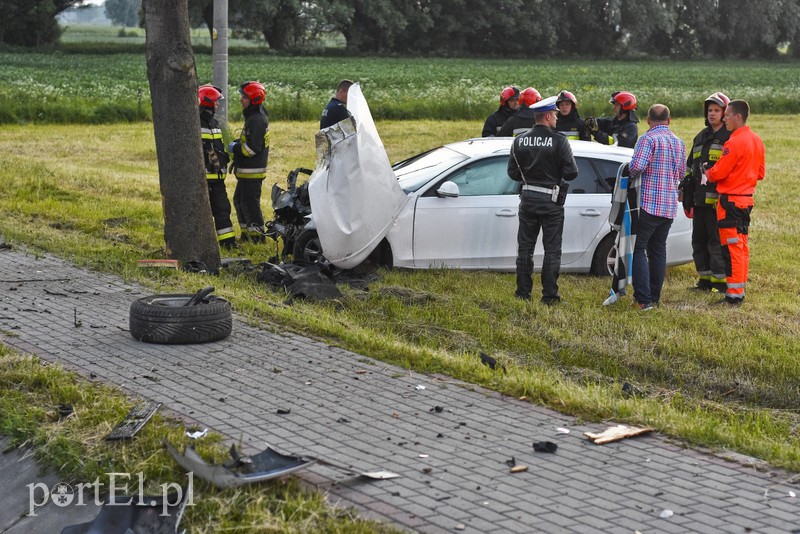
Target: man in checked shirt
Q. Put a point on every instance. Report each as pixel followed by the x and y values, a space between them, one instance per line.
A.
pixel 659 158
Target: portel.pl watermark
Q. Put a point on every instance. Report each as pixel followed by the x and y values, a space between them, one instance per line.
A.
pixel 63 495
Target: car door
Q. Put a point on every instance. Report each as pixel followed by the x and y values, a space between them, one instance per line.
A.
pixel 586 209
pixel 477 229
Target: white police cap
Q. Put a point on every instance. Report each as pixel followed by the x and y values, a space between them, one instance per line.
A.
pixel 547 104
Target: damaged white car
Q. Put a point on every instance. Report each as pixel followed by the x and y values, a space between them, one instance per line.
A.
pixel 453 206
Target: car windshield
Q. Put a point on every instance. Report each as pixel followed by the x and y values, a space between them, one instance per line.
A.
pixel 417 171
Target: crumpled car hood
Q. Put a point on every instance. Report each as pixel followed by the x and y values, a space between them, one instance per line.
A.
pixel 354 193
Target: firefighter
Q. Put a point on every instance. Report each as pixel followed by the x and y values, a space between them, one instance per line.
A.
pixel 216 164
pixel 250 155
pixel 569 122
pixel 736 174
pixel 700 200
pixel 523 119
pixel 509 102
pixel 622 128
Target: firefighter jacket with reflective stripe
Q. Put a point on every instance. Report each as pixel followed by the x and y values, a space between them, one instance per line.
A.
pixel 541 157
pixel 573 126
pixel 496 120
pixel 215 158
pixel 741 165
pixel 624 131
pixel 706 147
pixel 520 122
pixel 251 151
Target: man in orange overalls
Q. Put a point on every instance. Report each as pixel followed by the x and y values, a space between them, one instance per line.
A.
pixel 736 174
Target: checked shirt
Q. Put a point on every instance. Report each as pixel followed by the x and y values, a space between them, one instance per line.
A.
pixel 660 157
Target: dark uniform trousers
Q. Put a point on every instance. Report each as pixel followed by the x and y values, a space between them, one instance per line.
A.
pixel 247 201
pixel 537 211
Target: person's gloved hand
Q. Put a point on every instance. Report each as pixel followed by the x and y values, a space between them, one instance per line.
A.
pixel 591 123
pixel 232 146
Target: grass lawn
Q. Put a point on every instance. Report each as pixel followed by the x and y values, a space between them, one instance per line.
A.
pixel 723 378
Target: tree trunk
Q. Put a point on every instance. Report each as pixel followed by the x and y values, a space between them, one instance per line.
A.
pixel 188 227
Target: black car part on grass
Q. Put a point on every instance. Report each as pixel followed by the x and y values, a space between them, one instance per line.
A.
pixel 156 514
pixel 314 281
pixel 134 421
pixel 292 208
pixel 181 318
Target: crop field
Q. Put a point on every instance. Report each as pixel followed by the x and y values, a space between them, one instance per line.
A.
pixel 85 88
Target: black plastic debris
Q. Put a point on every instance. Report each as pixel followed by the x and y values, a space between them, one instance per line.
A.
pixel 545 446
pixel 194 266
pixel 283 411
pixel 313 282
pixel 65 410
pixel 488 361
pixel 145 514
pixel 512 462
pixel 134 421
pixel 240 470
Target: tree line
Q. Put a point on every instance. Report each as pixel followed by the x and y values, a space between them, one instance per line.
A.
pixel 684 29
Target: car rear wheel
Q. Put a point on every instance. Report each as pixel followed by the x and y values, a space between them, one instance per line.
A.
pixel 605 257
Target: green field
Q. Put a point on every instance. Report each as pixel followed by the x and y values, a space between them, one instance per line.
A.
pixel 86 88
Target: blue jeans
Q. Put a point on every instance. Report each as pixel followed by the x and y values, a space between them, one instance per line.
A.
pixel 650 257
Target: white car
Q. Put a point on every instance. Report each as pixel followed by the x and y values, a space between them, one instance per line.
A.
pixel 462 212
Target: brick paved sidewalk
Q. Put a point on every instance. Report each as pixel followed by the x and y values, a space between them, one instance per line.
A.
pixel 360 412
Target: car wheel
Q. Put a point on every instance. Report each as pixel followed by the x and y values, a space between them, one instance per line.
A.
pixel 178 319
pixel 307 247
pixel 605 257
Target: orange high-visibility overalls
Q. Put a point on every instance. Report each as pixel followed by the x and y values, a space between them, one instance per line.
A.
pixel 736 174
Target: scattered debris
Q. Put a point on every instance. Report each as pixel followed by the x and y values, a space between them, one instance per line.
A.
pixel 160 264
pixel 241 470
pixel 512 462
pixel 379 475
pixel 792 494
pixel 427 470
pixel 342 420
pixel 460 526
pixel 488 361
pixel 423 456
pixel 419 387
pixel 545 446
pixel 198 434
pixel 54 293
pixel 666 514
pixel 65 410
pixel 616 433
pixel 519 468
pixel 437 409
pixel 562 430
pixel 158 513
pixel 134 421
pixel 282 411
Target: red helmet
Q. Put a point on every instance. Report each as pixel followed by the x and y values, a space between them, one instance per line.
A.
pixel 509 93
pixel 624 99
pixel 529 96
pixel 254 91
pixel 563 96
pixel 719 99
pixel 208 95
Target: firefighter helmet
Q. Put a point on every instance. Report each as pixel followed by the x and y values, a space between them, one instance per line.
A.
pixel 529 97
pixel 254 91
pixel 565 96
pixel 719 99
pixel 624 99
pixel 208 95
pixel 509 93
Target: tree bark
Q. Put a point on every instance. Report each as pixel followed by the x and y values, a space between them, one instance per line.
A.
pixel 188 227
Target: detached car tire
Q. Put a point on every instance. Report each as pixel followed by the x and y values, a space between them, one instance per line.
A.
pixel 167 319
pixel 307 247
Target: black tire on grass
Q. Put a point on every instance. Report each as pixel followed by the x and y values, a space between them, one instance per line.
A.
pixel 165 320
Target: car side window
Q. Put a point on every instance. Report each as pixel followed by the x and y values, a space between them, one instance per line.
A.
pixel 485 177
pixel 586 181
pixel 608 174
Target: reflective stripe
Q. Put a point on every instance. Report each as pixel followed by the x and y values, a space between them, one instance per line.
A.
pixel 536 188
pixel 731 240
pixel 225 233
pixel 718 278
pixel 251 173
pixel 733 286
pixel 216 176
pixel 247 151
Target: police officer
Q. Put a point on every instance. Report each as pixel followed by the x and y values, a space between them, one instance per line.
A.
pixel 541 158
pixel 700 199
pixel 336 110
pixel 509 102
pixel 216 164
pixel 622 128
pixel 569 122
pixel 522 120
pixel 250 155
